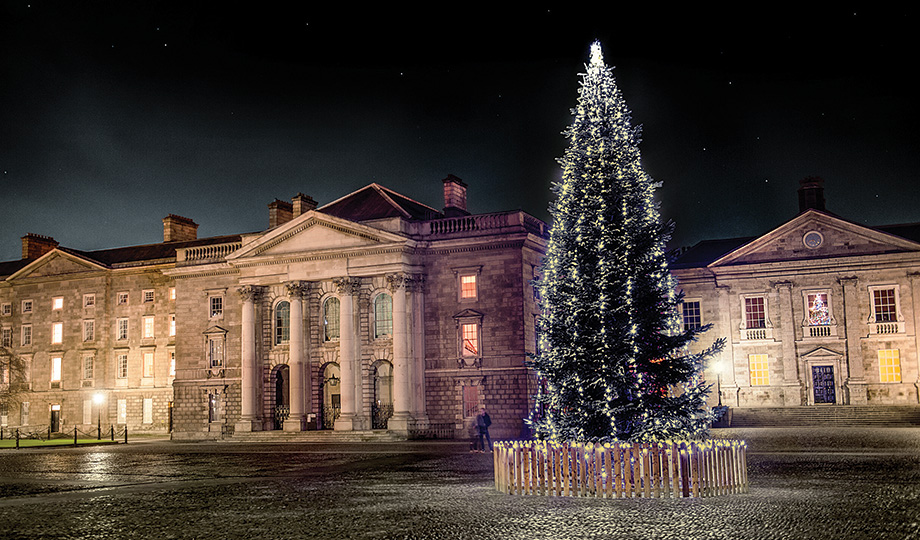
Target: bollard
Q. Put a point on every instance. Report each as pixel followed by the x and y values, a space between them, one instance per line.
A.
pixel 113 433
pixel 126 433
pixel 75 435
pixel 17 438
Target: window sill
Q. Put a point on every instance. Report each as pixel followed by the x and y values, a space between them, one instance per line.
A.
pixel 756 334
pixel 820 331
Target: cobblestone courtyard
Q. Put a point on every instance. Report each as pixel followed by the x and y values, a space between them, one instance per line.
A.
pixel 805 483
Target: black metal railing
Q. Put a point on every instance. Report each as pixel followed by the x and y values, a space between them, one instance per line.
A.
pixel 280 413
pixel 330 415
pixel 380 414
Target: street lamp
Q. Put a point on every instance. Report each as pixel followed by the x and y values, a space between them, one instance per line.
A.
pixel 99 399
pixel 718 369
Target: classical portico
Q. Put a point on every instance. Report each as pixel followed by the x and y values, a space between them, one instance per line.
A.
pixel 285 273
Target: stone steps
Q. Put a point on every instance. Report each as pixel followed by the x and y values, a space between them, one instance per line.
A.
pixel 828 415
pixel 324 436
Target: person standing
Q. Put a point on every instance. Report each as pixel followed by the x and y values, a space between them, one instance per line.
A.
pixel 483 421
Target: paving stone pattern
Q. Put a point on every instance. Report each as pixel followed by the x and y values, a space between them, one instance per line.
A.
pixel 805 484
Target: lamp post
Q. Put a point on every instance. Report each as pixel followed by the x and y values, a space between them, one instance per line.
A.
pixel 718 369
pixel 99 399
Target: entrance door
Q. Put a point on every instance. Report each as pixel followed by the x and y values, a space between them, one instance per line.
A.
pixel 282 409
pixel 55 418
pixel 823 378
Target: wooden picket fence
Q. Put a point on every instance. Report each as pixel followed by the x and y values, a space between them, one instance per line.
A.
pixel 619 470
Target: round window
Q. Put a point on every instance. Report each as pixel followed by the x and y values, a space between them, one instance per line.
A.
pixel 812 239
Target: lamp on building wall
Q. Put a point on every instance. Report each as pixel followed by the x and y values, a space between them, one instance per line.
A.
pixel 332 381
pixel 99 399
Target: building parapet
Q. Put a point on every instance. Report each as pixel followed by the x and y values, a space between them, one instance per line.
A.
pixel 486 223
pixel 206 254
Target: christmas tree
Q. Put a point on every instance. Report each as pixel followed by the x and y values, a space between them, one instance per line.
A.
pixel 613 361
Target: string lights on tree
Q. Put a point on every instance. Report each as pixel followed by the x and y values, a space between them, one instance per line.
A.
pixel 613 361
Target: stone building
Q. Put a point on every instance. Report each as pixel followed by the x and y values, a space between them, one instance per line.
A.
pixel 372 312
pixel 817 311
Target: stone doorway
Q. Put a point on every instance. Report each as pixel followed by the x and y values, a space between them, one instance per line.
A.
pixel 823 384
pixel 330 396
pixel 281 404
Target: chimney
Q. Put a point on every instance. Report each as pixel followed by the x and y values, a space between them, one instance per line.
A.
pixel 302 204
pixel 36 245
pixel 811 194
pixel 279 213
pixel 454 197
pixel 179 229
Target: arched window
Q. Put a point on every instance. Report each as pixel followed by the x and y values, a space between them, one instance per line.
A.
pixel 383 315
pixel 282 322
pixel 331 319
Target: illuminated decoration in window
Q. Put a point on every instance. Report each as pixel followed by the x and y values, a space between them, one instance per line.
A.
pixel 470 336
pixel 611 345
pixel 754 312
pixel 282 322
pixel 691 315
pixel 885 304
pixel 818 312
pixel 331 319
pixel 57 333
pixel 889 365
pixel 467 286
pixel 383 315
pixel 760 373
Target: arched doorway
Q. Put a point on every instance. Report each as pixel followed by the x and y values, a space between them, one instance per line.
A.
pixel 330 396
pixel 281 399
pixel 382 407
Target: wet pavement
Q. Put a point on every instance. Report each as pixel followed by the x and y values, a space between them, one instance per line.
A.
pixel 805 483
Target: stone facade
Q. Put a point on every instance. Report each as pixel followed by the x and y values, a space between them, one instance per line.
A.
pixel 820 310
pixel 371 312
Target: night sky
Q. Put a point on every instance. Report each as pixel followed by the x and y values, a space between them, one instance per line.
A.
pixel 115 114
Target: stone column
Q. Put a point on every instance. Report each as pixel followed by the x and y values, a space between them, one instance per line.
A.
pixel 296 419
pixel 728 388
pixel 416 316
pixel 249 387
pixel 792 385
pixel 350 374
pixel 853 326
pixel 402 376
pixel 915 308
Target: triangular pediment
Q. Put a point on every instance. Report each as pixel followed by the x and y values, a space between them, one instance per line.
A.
pixel 814 234
pixel 314 232
pixel 820 353
pixel 468 314
pixel 57 263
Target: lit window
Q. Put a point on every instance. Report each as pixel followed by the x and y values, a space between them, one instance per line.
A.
pixel 121 299
pixel 884 303
pixel 172 324
pixel 818 310
pixel 148 364
pixel 690 311
pixel 468 287
pixel 760 373
pixel 88 367
pixel 889 364
pixel 755 315
pixel 89 330
pixel 470 336
pixel 89 300
pixel 121 411
pixel 27 306
pixel 172 293
pixel 148 327
pixel 56 369
pixel 147 295
pixel 172 363
pixel 383 315
pixel 57 332
pixel 331 314
pixel 121 366
pixel 121 328
pixel 57 302
pixel 282 322
pixel 216 306
pixel 6 309
pixel 26 335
